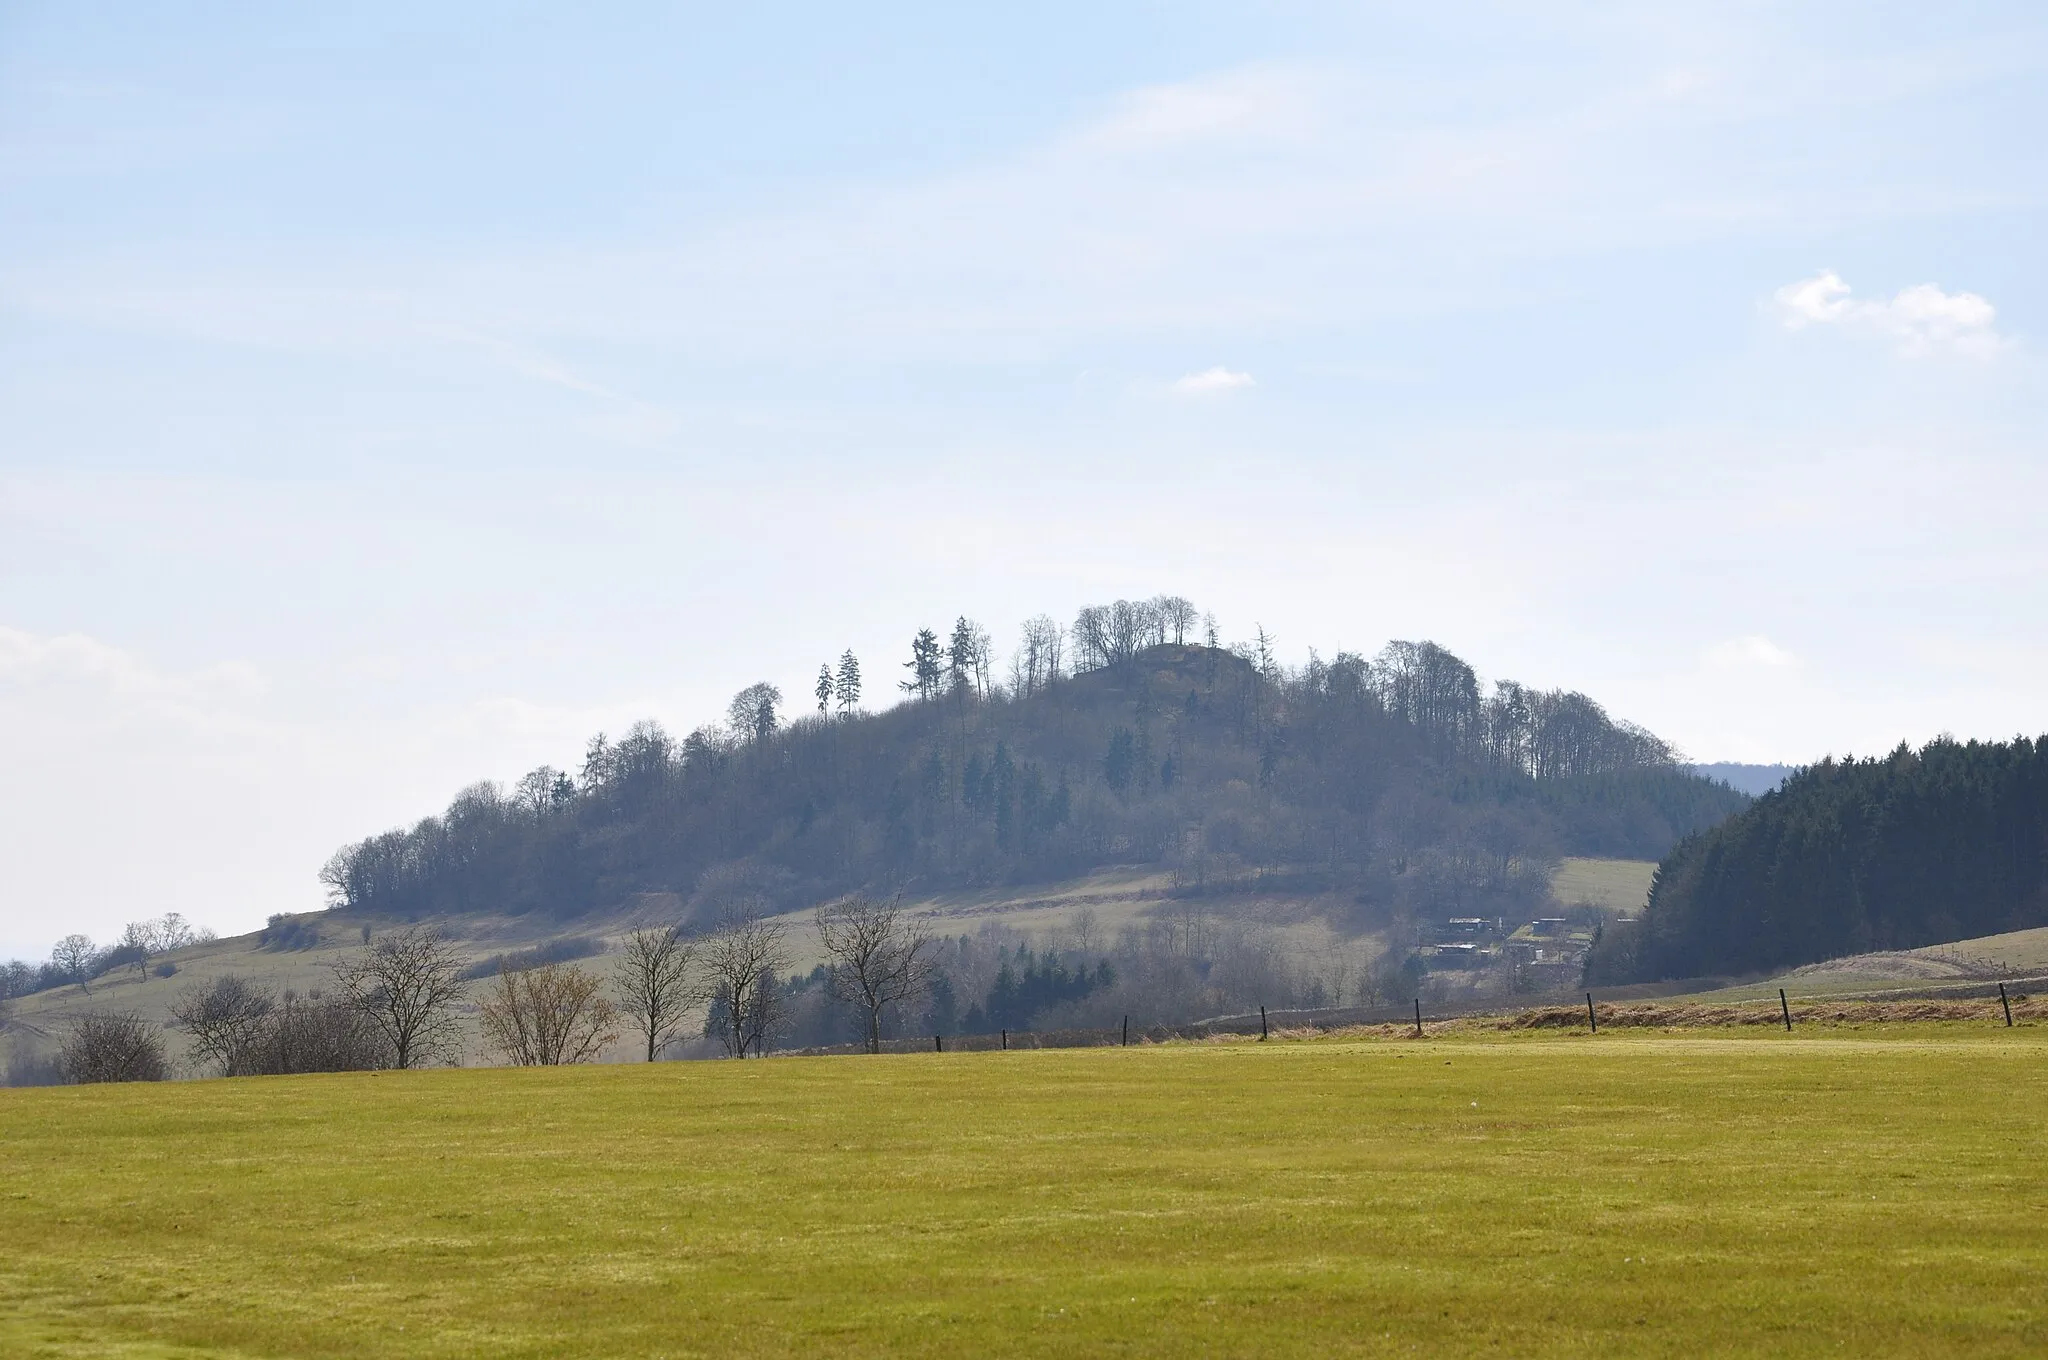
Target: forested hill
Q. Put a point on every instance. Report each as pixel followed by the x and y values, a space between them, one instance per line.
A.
pixel 1400 781
pixel 1916 848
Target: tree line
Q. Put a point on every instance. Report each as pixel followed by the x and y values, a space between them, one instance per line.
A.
pixel 399 1001
pixel 1125 737
pixel 76 961
pixel 1849 856
pixel 408 999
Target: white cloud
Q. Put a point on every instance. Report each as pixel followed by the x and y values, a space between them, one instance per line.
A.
pixel 1212 381
pixel 1262 104
pixel 1749 652
pixel 1919 320
pixel 72 659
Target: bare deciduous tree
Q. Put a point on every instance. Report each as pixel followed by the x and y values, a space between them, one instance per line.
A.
pixel 143 940
pixel 1086 930
pixel 73 957
pixel 549 1016
pixel 1176 617
pixel 1037 664
pixel 744 962
pixel 110 1046
pixel 543 791
pixel 227 1019
pixel 879 958
pixel 752 712
pixel 407 984
pixel 653 974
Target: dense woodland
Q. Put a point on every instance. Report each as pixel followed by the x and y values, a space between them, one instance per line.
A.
pixel 1915 848
pixel 1400 782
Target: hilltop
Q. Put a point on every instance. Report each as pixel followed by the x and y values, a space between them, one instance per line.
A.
pixel 1195 830
pixel 1398 786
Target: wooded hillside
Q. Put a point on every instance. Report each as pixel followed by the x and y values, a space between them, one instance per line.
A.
pixel 1400 780
pixel 1916 848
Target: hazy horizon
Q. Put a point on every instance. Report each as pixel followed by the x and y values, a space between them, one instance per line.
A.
pixel 393 399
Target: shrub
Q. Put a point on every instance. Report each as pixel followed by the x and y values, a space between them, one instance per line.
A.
pixel 548 1016
pixel 309 1034
pixel 554 951
pixel 288 933
pixel 114 1046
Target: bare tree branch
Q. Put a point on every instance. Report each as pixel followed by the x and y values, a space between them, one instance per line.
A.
pixel 653 975
pixel 227 1019
pixel 407 984
pixel 879 958
pixel 106 1046
pixel 549 1016
pixel 744 963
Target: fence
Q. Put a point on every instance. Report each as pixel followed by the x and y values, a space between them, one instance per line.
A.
pixel 1624 1011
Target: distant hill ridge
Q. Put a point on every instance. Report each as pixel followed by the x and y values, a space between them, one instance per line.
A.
pixel 1754 780
pixel 1400 780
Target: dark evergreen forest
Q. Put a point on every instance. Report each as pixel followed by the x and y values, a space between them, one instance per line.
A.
pixel 1399 781
pixel 1915 848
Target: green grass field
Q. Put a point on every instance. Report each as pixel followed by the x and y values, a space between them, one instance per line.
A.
pixel 1870 1192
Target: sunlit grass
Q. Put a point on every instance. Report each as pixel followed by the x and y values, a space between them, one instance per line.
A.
pixel 1619 885
pixel 1877 1193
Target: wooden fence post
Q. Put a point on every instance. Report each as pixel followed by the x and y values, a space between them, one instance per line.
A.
pixel 1262 1024
pixel 1006 1041
pixel 1127 1031
pixel 2007 1004
pixel 1786 1007
pixel 1591 1019
pixel 938 1044
pixel 1418 1017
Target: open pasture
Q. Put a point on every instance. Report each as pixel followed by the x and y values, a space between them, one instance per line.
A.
pixel 1877 1193
pixel 1621 886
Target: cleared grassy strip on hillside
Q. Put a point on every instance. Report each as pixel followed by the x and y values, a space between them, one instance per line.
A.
pixel 1618 885
pixel 1634 1194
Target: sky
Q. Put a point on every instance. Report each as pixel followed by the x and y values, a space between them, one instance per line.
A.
pixel 394 395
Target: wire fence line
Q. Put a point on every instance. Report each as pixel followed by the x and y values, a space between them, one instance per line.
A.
pixel 1923 1002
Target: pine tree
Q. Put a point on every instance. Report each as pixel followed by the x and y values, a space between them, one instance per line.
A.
pixel 960 655
pixel 926 665
pixel 824 691
pixel 848 686
pixel 1118 760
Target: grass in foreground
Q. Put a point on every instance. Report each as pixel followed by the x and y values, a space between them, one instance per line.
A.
pixel 1634 1194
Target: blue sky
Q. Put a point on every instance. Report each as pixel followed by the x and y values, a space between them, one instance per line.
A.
pixel 392 396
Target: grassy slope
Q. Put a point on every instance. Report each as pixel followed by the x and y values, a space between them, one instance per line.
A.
pixel 2020 956
pixel 1619 885
pixel 1879 1192
pixel 304 970
pixel 1114 898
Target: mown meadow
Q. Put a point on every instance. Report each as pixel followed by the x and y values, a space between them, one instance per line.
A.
pixel 1872 1192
